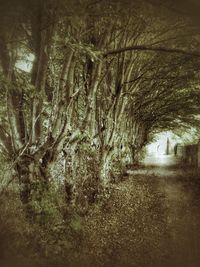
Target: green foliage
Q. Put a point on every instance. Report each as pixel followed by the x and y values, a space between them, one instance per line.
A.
pixel 36 244
pixel 76 223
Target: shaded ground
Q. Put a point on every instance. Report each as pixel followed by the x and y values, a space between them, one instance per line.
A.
pixel 180 189
pixel 183 218
pixel 152 219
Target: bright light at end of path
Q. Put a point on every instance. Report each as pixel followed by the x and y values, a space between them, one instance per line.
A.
pixel 159 147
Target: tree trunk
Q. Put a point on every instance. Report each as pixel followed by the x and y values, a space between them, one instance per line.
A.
pixel 104 170
pixel 33 184
pixel 139 140
pixel 135 155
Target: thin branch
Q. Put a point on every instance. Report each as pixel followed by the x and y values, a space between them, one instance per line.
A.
pixel 150 48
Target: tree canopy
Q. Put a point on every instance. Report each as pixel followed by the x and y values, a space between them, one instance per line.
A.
pixel 104 76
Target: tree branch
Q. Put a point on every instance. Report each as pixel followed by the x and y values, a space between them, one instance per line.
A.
pixel 150 48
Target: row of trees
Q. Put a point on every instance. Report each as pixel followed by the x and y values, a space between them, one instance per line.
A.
pixel 105 76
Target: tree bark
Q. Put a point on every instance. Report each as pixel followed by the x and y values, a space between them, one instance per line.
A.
pixel 33 178
pixel 104 169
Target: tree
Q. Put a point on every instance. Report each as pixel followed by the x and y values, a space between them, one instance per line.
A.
pixel 100 84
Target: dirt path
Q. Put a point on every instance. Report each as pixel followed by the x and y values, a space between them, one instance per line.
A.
pixel 152 219
pixel 182 207
pixel 183 219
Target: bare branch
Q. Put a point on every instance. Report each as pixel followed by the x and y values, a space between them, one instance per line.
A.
pixel 151 49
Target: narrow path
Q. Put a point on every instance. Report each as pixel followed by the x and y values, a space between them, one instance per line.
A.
pixel 183 219
pixel 152 219
pixel 182 203
pixel 160 166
